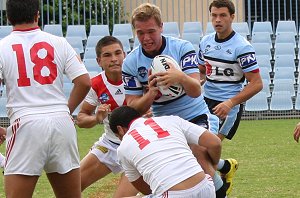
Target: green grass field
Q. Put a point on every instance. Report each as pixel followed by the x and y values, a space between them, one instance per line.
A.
pixel 268 156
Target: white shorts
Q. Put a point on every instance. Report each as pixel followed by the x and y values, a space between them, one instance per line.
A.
pixel 205 189
pixel 106 152
pixel 41 142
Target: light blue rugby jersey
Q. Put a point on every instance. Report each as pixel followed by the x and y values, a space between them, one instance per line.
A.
pixel 226 62
pixel 135 77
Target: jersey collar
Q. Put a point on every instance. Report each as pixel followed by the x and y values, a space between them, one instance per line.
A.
pixel 160 50
pixel 225 39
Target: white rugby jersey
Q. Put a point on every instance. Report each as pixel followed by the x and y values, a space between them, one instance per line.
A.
pixel 157 149
pixel 32 64
pixel 104 91
pixel 226 61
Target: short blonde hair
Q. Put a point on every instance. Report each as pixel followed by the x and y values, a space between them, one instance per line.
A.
pixel 145 12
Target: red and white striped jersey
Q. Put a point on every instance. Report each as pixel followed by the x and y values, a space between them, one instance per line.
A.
pixel 104 91
pixel 32 64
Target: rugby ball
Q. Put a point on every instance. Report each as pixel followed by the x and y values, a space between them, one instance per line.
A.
pixel 160 64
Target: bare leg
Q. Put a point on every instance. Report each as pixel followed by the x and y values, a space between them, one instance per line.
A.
pixel 66 185
pixel 91 170
pixel 19 185
pixel 125 188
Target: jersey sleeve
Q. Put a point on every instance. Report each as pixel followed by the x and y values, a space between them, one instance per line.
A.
pixel 189 61
pixel 74 66
pixel 132 85
pixel 130 171
pixel 246 58
pixel 191 131
pixel 92 98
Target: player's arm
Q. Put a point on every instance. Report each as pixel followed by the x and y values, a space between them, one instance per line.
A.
pixel 88 119
pixel 202 70
pixel 213 145
pixel 142 103
pixel 82 85
pixel 253 87
pixel 2 134
pixel 142 186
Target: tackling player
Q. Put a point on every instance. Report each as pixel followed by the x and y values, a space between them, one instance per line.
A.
pixel 106 94
pixel 41 135
pixel 159 162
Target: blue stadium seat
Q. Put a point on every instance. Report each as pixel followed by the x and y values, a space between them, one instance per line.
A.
pixel 265 74
pixel 76 31
pixel 286 26
pixel 284 85
pixel 262 26
pixel 124 29
pixel 241 28
pixel 171 29
pixel 92 41
pixel 209 28
pixel 284 73
pixel 259 102
pixel 285 60
pixel 55 29
pixel 281 101
pixel 261 37
pixel 193 27
pixel 285 49
pixel 92 65
pixel 5 30
pixel 125 42
pixel 99 30
pixel 76 42
pixel 285 37
pixel 297 102
pixel 262 49
pixel 3 112
pixel 90 53
pixel 264 61
pixel 194 38
pixel 266 87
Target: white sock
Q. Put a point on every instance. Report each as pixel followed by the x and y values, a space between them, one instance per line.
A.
pixel 2 160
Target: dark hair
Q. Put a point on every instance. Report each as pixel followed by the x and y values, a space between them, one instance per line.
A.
pixel 22 11
pixel 223 3
pixel 122 116
pixel 105 41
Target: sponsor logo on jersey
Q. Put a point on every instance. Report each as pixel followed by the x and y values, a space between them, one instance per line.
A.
pixel 142 71
pixel 208 68
pixel 118 92
pixel 102 149
pixel 207 48
pixel 104 98
pixel 228 51
pixel 189 60
pixel 218 47
pixel 129 81
pixel 247 60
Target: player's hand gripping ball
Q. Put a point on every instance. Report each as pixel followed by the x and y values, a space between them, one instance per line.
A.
pixel 160 64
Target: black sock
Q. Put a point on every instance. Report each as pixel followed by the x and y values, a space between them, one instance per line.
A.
pixel 226 168
pixel 221 193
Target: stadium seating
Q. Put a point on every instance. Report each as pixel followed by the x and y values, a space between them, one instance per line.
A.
pixel 285 60
pixel 3 101
pixel 262 49
pixel 193 27
pixel 92 65
pixel 123 30
pixel 266 87
pixel 281 101
pixel 284 85
pixel 262 37
pixel 259 102
pixel 5 30
pixel 286 26
pixel 284 73
pixel 92 41
pixel 297 102
pixel 263 26
pixel 265 74
pixel 285 37
pixel 171 29
pixel 209 28
pixel 90 53
pixel 285 49
pixel 76 42
pixel 125 42
pixel 241 28
pixel 76 31
pixel 194 38
pixel 264 61
pixel 55 29
pixel 99 30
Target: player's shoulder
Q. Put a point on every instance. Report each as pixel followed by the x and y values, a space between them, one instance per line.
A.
pixel 208 37
pixel 240 40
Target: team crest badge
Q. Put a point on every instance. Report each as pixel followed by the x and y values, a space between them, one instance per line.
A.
pixel 142 71
pixel 104 98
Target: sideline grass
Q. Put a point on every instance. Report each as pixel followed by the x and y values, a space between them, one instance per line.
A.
pixel 268 156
